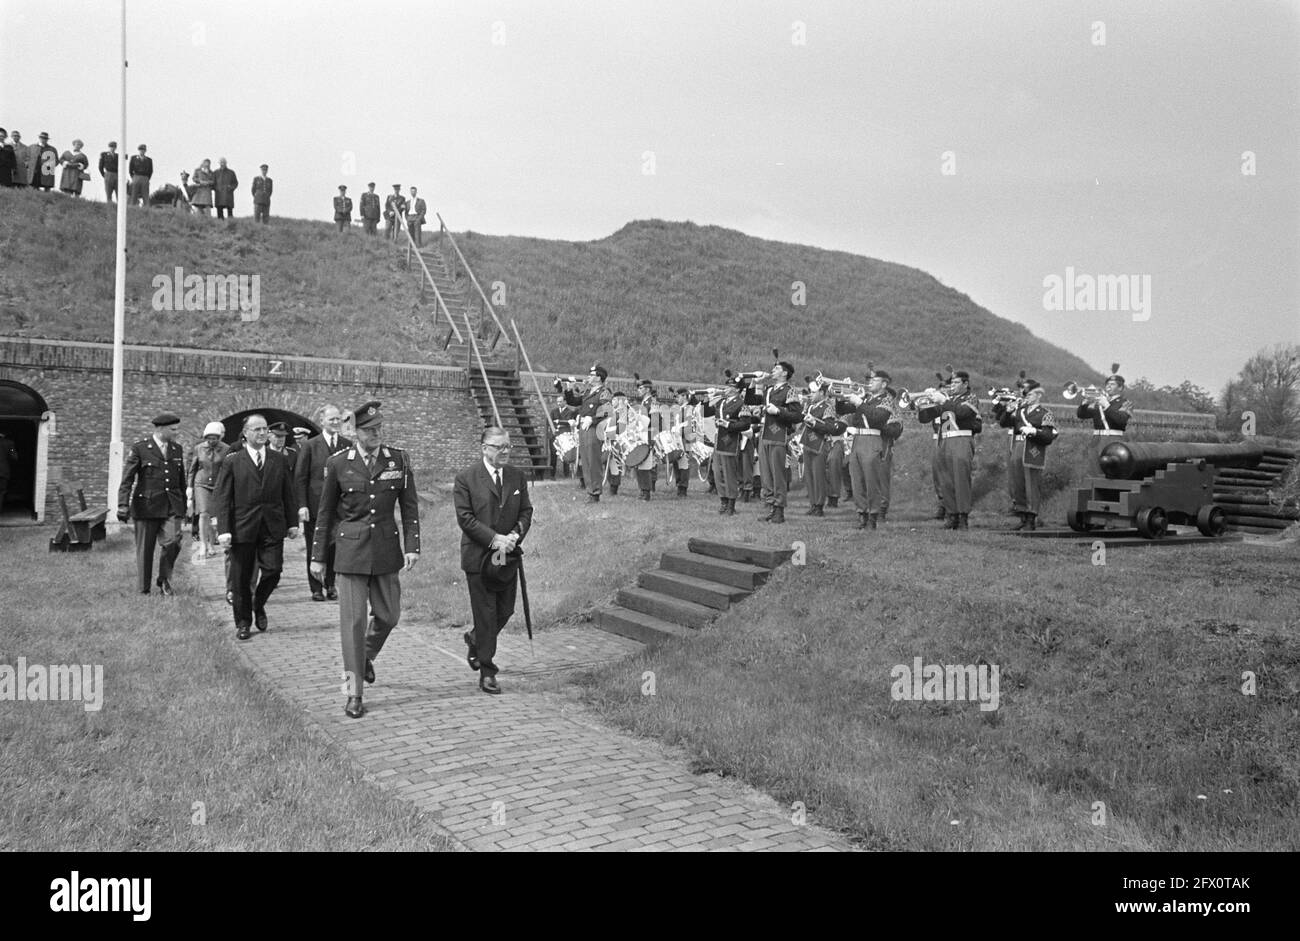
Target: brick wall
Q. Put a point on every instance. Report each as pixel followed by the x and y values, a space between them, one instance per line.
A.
pixel 428 409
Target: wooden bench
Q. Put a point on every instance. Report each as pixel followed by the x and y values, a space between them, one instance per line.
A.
pixel 78 531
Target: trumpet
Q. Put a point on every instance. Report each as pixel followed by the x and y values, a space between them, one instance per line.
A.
pixel 1008 398
pixel 561 381
pixel 843 388
pixel 1089 393
pixel 710 392
pixel 926 398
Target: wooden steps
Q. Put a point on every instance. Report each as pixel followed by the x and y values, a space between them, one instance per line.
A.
pixel 689 589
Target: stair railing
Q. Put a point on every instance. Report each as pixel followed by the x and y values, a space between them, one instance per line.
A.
pixel 411 246
pixel 541 400
pixel 482 369
pixel 485 304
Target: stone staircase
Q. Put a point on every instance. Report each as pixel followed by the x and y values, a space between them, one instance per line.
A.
pixel 689 589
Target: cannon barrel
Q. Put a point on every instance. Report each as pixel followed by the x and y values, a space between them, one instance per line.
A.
pixel 1133 460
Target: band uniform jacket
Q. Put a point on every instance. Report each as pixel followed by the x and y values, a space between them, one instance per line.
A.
pixel 356 511
pixel 819 425
pixel 246 498
pixel 877 411
pixel 777 427
pixel 140 166
pixel 262 186
pixel 1118 412
pixel 370 206
pixel 309 471
pixel 483 511
pixel 153 483
pixel 731 422
pixel 965 410
pixel 342 209
pixel 595 404
pixel 1035 444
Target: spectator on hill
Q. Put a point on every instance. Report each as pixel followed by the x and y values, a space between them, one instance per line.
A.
pixel 202 197
pixel 262 196
pixel 224 184
pixel 44 161
pixel 20 175
pixel 8 162
pixel 415 219
pixel 108 162
pixel 75 164
pixel 394 212
pixel 342 209
pixel 141 170
pixel 370 211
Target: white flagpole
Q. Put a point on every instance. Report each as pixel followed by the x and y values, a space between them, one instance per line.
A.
pixel 119 301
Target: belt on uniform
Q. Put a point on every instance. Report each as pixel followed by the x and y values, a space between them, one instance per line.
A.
pixel 957 434
pixel 1018 437
pixel 1099 433
pixel 863 431
pixel 935 436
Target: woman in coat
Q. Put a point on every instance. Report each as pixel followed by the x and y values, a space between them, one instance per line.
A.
pixel 202 182
pixel 75 164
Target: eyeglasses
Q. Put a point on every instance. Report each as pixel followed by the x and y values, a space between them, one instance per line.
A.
pixel 498 447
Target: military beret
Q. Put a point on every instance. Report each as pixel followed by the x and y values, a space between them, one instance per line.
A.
pixel 279 428
pixel 879 374
pixel 600 371
pixel 367 415
pixel 166 418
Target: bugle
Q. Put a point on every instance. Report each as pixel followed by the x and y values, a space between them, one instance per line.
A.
pixel 1072 392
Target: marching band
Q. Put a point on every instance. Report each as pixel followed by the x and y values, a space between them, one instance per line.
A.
pixel 755 430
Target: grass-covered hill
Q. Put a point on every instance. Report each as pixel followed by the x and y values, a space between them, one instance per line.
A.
pixel 659 298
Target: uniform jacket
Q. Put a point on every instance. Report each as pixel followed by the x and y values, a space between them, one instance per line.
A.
pixel 309 470
pixel 356 512
pixel 247 499
pixel 731 422
pixel 819 426
pixel 1036 444
pixel 777 427
pixel 224 184
pixel 140 166
pixel 394 205
pixel 342 208
pixel 205 464
pixel 595 404
pixel 876 411
pixel 153 484
pixel 483 511
pixel 965 409
pixel 1118 413
pixel 262 186
pixel 369 205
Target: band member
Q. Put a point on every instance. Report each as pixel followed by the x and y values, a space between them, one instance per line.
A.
pixel 682 420
pixel 153 495
pixel 732 421
pixel 820 425
pixel 958 411
pixel 593 409
pixel 781 412
pixel 748 463
pixel 616 425
pixel 363 485
pixel 873 429
pixel 1033 429
pixel 648 409
pixel 837 464
pixel 1110 413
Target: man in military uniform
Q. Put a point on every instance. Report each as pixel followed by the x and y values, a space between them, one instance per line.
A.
pixel 593 410
pixel 362 486
pixel 683 421
pixel 820 425
pixel 731 421
pixel 1032 428
pixel 616 425
pixel 873 429
pixel 394 212
pixel 343 210
pixel 1110 413
pixel 649 415
pixel 781 412
pixel 153 495
pixel 370 211
pixel 959 413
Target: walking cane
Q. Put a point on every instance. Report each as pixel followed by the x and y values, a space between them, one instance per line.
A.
pixel 528 614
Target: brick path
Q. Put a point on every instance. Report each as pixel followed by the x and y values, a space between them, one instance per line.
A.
pixel 529 769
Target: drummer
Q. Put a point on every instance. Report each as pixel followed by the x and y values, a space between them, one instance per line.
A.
pixel 616 425
pixel 645 461
pixel 683 425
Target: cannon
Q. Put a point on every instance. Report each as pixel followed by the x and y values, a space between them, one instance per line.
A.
pixel 1150 485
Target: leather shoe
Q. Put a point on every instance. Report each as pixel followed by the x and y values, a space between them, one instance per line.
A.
pixel 259 618
pixel 471 657
pixel 165 587
pixel 355 709
pixel 370 672
pixel 242 632
pixel 331 594
pixel 489 685
pixel 317 596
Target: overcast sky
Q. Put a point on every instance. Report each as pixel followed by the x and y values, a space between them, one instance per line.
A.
pixel 1107 137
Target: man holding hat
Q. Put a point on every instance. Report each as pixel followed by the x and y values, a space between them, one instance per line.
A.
pixel 594 407
pixel 342 209
pixel 140 169
pixel 202 480
pixel 370 211
pixel 262 196
pixel 153 495
pixel 108 161
pixel 394 211
pixel 362 487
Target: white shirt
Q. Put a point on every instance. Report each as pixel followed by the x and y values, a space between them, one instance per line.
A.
pixel 254 454
pixel 162 445
pixel 493 471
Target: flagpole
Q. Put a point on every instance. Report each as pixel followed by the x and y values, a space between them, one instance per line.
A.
pixel 119 299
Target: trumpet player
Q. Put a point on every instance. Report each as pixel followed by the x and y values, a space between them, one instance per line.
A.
pixel 873 429
pixel 593 409
pixel 1109 412
pixel 958 411
pixel 781 412
pixel 1033 429
pixel 728 411
pixel 820 425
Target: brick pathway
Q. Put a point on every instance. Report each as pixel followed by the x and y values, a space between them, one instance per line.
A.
pixel 528 769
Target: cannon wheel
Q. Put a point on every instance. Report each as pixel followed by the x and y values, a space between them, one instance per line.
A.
pixel 1074 519
pixel 1211 520
pixel 1152 522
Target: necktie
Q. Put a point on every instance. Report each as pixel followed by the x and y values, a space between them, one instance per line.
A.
pixel 370 463
pixel 496 478
pixel 330 442
pixel 258 460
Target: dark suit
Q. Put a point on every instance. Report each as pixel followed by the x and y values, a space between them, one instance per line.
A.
pixel 256 507
pixel 157 505
pixel 482 511
pixel 356 514
pixel 140 170
pixel 262 186
pixel 308 480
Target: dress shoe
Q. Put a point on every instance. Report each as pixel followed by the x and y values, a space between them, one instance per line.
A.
pixel 165 587
pixel 471 657
pixel 370 671
pixel 593 498
pixel 317 596
pixel 331 594
pixel 778 514
pixel 354 709
pixel 259 618
pixel 766 517
pixel 242 632
pixel 731 507
pixel 963 522
pixel 144 591
pixel 489 685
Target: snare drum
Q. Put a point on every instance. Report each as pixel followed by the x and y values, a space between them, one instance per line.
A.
pixel 700 451
pixel 566 446
pixel 668 446
pixel 637 456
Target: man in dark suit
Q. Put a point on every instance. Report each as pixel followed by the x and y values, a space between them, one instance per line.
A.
pixel 308 481
pixel 153 494
pixel 140 169
pixel 494 513
pixel 262 186
pixel 415 217
pixel 108 164
pixel 362 487
pixel 253 504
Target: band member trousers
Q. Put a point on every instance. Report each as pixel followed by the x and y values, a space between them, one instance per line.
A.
pixel 309 532
pixel 937 473
pixel 265 558
pixel 771 471
pixel 815 474
pixel 747 469
pixel 726 470
pixel 1016 476
pixel 593 462
pixel 491 609
pixel 868 468
pixel 958 455
pixel 166 535
pixel 364 637
pixel 886 484
pixel 836 463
